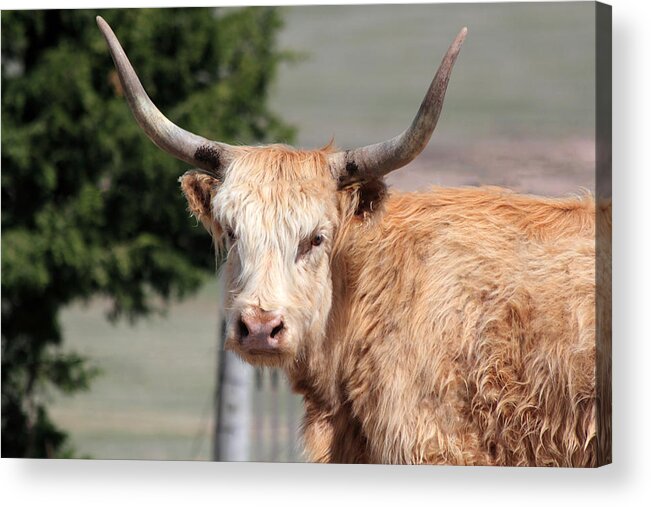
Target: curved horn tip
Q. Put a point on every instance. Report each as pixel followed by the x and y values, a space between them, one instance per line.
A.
pixel 104 27
pixel 461 36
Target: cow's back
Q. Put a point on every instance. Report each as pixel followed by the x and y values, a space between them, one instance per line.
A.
pixel 469 326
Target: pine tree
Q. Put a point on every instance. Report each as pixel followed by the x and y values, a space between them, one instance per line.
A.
pixel 89 206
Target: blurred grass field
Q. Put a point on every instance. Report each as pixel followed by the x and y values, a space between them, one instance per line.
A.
pixel 519 112
pixel 526 70
pixel 154 396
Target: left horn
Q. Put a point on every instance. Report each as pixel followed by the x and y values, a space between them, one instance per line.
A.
pixel 186 146
pixel 376 160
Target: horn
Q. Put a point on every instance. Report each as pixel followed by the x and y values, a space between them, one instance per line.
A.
pixel 376 160
pixel 186 146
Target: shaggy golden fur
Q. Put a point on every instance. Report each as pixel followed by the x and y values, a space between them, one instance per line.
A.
pixel 455 326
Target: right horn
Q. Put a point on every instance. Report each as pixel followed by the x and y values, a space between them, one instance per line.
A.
pixel 376 160
pixel 186 146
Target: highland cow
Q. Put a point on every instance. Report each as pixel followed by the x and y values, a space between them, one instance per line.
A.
pixel 453 326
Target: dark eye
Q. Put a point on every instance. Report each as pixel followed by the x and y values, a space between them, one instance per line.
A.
pixel 230 234
pixel 305 246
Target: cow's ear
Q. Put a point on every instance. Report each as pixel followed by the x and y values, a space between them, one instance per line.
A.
pixel 370 197
pixel 199 189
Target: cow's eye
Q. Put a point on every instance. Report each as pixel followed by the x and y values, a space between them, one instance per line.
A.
pixel 305 246
pixel 230 234
pixel 317 240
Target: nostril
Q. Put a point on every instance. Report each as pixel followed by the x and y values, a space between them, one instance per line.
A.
pixel 244 330
pixel 277 329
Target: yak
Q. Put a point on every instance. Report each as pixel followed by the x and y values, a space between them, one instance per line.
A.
pixel 452 326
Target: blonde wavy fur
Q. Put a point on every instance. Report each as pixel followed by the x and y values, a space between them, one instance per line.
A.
pixel 453 326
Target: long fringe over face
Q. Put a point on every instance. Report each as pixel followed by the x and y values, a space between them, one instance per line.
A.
pixel 273 202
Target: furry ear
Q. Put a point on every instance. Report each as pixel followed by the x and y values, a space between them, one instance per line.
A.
pixel 369 197
pixel 199 189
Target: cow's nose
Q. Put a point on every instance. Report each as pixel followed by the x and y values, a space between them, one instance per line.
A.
pixel 261 327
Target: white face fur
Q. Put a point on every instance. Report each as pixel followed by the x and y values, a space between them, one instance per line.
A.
pixel 278 224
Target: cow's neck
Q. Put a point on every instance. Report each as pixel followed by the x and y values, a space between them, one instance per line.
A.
pixel 325 368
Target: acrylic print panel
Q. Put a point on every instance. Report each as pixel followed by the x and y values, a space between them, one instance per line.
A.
pixel 467 323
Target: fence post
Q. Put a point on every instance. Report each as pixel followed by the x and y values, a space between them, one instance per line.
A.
pixel 232 440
